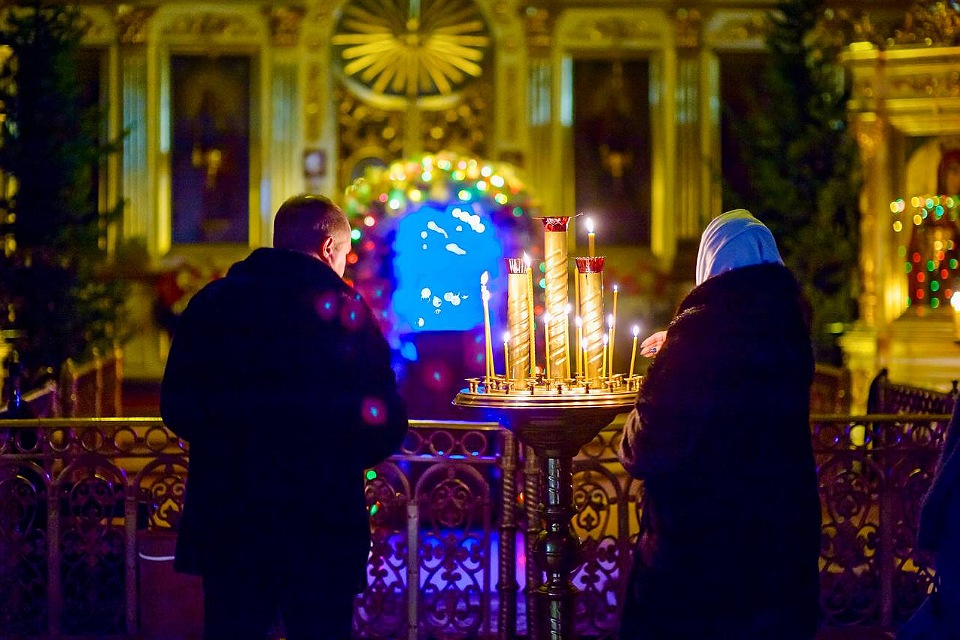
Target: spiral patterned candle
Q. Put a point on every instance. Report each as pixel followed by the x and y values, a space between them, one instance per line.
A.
pixel 555 293
pixel 518 320
pixel 590 273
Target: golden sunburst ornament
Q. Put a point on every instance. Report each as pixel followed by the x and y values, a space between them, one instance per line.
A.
pixel 411 48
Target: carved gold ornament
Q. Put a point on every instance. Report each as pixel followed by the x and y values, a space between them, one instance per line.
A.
pixel 410 48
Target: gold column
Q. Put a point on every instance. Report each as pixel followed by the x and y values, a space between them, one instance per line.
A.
pixel 555 295
pixel 688 199
pixel 518 319
pixel 590 274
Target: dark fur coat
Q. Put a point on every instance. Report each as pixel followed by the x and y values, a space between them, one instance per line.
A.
pixel 730 529
pixel 280 379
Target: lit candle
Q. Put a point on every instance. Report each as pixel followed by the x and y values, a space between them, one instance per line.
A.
pixel 566 341
pixel 633 355
pixel 546 339
pixel 487 347
pixel 610 342
pixel 506 354
pixel 603 364
pixel 532 323
pixel 591 237
pixel 613 325
pixel 580 346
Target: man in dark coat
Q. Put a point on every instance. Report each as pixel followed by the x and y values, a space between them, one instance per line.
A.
pixel 279 378
pixel 730 527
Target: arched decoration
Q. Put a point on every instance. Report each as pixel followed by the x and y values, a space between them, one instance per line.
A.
pixel 424 50
pixel 425 229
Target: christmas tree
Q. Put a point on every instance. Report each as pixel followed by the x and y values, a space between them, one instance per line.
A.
pixel 803 168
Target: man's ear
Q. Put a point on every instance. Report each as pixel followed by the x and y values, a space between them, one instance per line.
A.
pixel 326 248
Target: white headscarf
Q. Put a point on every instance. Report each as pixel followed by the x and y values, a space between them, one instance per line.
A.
pixel 732 240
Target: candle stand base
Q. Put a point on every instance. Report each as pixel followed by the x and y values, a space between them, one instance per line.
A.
pixel 555 424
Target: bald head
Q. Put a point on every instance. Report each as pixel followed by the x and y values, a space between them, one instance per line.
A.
pixel 313 225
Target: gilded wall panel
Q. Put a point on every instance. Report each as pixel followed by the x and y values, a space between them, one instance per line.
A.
pixel 728 29
pixel 99 27
pixel 612 29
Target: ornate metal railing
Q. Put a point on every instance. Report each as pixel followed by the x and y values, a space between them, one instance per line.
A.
pixel 88 510
pixel 873 471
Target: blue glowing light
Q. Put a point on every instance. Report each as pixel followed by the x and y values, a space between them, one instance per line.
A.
pixel 440 255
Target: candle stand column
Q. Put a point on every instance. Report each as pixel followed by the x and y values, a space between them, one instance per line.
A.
pixel 555 427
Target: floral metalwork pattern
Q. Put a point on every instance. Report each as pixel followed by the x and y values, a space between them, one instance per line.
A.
pixel 381 610
pixel 92 546
pixel 601 523
pixel 454 562
pixel 23 552
pixel 872 476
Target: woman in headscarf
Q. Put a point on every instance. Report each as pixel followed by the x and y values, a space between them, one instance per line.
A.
pixel 730 528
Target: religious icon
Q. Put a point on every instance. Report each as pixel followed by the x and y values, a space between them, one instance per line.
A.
pixel 210 154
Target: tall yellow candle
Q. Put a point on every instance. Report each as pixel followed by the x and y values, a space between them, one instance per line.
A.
pixel 506 354
pixel 576 294
pixel 556 280
pixel 603 365
pixel 613 326
pixel 583 355
pixel 580 346
pixel 591 239
pixel 546 338
pixel 518 321
pixel 531 316
pixel 590 272
pixel 566 340
pixel 609 344
pixel 487 347
pixel 633 355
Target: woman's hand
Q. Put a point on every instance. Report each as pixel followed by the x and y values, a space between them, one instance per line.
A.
pixel 651 346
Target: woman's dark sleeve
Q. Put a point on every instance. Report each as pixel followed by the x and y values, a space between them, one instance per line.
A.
pixel 672 404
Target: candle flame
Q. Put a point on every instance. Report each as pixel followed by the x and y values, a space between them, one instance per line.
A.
pixel 579 321
pixel 955 301
pixel 610 320
pixel 636 331
pixel 616 288
pixel 506 337
pixel 606 339
pixel 526 259
pixel 483 278
pixel 589 224
pixel 567 309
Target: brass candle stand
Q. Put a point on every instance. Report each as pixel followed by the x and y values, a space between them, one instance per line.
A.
pixel 555 418
pixel 555 410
